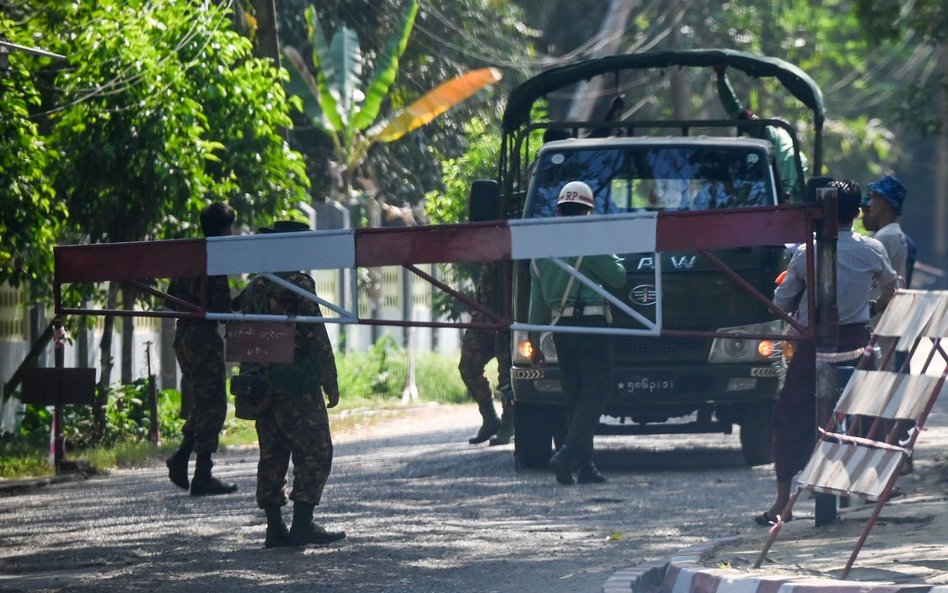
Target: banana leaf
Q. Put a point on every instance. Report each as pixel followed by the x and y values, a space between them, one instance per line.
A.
pixel 303 84
pixel 325 73
pixel 386 69
pixel 346 57
pixel 434 103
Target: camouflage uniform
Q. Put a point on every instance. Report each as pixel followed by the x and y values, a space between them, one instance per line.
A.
pixel 295 423
pixel 199 349
pixel 478 347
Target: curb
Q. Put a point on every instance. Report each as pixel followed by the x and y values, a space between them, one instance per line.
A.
pixel 686 573
pixel 645 578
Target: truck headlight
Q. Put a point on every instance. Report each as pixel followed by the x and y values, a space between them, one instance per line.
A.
pixel 522 348
pixel 741 349
pixel 547 347
pixel 525 348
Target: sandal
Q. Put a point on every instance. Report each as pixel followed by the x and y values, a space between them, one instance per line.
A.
pixel 765 520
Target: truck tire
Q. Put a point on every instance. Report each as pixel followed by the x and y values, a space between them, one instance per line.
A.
pixel 534 428
pixel 757 435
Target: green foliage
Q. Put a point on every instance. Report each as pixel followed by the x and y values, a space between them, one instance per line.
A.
pixel 380 374
pixel 479 161
pixel 438 379
pixel 127 416
pixel 30 216
pixel 164 108
pixel 341 109
pixel 20 459
pixel 160 109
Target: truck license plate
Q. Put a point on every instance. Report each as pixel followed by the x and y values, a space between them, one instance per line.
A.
pixel 645 385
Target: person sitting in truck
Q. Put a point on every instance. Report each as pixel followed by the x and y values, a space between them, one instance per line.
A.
pixel 777 136
pixel 558 298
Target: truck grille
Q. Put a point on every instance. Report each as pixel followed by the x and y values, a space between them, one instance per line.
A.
pixel 638 350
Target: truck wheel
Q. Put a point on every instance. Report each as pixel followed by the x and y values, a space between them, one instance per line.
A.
pixel 533 427
pixel 757 436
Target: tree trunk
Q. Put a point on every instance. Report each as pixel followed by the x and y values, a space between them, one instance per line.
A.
pixel 105 364
pixel 940 215
pixel 268 40
pixel 128 335
pixel 610 35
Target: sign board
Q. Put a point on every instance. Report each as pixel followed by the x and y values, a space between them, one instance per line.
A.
pixel 256 341
pixel 53 387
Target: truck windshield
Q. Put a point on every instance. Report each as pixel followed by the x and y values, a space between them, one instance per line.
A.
pixel 655 177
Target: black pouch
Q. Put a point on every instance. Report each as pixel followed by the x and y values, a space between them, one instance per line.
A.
pixel 251 394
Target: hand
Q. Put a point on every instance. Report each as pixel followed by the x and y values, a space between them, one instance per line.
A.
pixel 719 69
pixel 332 398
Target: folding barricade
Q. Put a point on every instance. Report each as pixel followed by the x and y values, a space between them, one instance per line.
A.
pixel 868 466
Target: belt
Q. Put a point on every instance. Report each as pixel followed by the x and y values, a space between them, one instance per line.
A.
pixel 593 310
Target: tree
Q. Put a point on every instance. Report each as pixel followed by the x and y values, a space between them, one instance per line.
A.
pixel 30 216
pixel 162 108
pixel 924 99
pixel 336 104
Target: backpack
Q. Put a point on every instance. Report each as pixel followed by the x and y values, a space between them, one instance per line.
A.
pixel 297 377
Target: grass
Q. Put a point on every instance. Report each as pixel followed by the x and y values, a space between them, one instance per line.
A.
pixel 368 382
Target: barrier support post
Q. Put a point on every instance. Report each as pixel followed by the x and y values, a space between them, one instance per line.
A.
pixel 826 322
pixel 59 350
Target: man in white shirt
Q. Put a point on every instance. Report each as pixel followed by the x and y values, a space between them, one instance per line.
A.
pixel 881 209
pixel 860 263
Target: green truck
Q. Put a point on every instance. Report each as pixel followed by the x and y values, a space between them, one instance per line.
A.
pixel 691 377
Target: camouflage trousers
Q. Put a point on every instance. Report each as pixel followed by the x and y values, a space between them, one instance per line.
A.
pixel 200 354
pixel 478 347
pixel 294 426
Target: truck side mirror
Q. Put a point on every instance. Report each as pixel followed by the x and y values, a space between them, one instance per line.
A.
pixel 484 202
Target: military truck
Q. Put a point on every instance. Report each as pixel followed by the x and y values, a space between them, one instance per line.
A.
pixel 681 381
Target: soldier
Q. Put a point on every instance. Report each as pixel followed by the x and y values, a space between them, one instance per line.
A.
pixel 293 420
pixel 478 347
pixel 777 136
pixel 199 349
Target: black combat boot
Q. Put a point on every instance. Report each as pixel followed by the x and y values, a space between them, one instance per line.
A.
pixel 589 474
pixel 490 423
pixel 565 461
pixel 278 535
pixel 304 531
pixel 506 432
pixel 204 483
pixel 178 464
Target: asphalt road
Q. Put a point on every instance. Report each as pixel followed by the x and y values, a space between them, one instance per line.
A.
pixel 425 512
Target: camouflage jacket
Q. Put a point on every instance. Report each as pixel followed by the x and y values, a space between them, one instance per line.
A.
pixel 191 290
pixel 311 338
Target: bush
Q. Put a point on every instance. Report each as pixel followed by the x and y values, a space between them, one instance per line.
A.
pixel 375 378
pixel 381 373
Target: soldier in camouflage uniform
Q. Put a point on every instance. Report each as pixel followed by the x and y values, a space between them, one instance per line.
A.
pixel 199 349
pixel 294 422
pixel 478 347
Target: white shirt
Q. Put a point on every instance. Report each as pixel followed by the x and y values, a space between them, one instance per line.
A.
pixel 859 261
pixel 893 239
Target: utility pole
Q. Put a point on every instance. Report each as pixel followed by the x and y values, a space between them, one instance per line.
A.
pixel 940 193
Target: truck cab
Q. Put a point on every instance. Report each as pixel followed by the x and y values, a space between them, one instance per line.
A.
pixel 682 380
